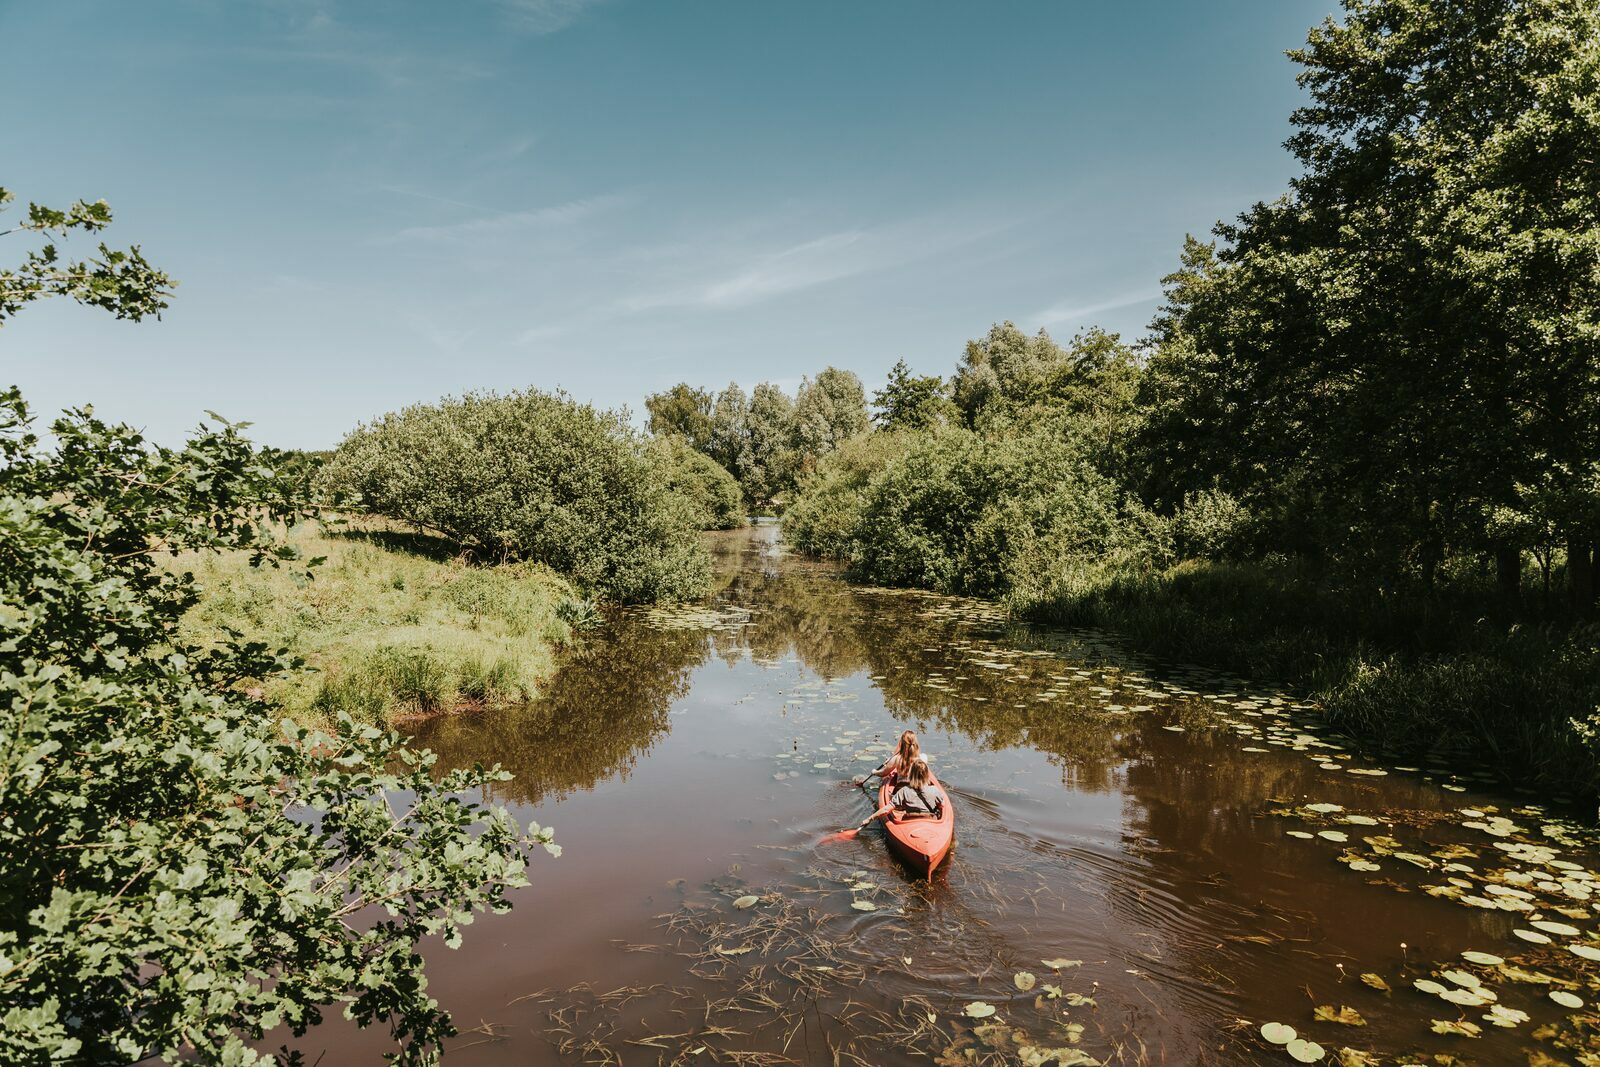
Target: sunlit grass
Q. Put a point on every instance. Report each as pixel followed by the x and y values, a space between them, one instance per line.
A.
pixel 392 624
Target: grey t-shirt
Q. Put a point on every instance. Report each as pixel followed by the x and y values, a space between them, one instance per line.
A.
pixel 905 798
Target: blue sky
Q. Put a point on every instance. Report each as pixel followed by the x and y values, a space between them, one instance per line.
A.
pixel 371 204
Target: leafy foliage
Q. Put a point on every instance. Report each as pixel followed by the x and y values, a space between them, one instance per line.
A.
pixel 183 874
pixel 1389 362
pixel 828 411
pixel 973 512
pixel 683 411
pixel 120 281
pixel 714 497
pixel 912 402
pixel 765 439
pixel 530 475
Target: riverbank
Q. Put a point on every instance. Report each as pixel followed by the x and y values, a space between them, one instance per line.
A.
pixel 393 625
pixel 1441 680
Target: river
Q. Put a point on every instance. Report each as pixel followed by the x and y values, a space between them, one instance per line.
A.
pixel 1152 861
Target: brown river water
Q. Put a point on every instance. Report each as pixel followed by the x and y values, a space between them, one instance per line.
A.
pixel 1140 876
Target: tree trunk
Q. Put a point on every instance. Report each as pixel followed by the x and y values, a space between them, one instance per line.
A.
pixel 1508 570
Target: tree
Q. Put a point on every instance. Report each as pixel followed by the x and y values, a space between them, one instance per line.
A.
pixel 772 451
pixel 729 442
pixel 827 412
pixel 684 411
pixel 182 872
pixel 909 402
pixel 1410 334
pixel 119 281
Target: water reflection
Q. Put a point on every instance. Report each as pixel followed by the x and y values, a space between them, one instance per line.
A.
pixel 602 713
pixel 1117 840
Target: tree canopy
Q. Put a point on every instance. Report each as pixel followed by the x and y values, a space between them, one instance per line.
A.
pixel 184 873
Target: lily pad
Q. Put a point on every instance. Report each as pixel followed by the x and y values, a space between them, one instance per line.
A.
pixel 979 1010
pixel 1588 952
pixel 1551 927
pixel 1023 980
pixel 1485 958
pixel 1534 936
pixel 1061 964
pixel 1500 1015
pixel 1565 999
pixel 863 905
pixel 1304 1051
pixel 1376 981
pixel 1277 1033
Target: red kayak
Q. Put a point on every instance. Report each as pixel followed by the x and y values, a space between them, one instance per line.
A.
pixel 921 842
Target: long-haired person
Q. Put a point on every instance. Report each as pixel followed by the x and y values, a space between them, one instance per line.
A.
pixel 917 797
pixel 907 751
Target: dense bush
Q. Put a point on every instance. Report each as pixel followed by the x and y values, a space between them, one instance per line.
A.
pixel 715 499
pixel 826 514
pixel 183 873
pixel 530 475
pixel 955 511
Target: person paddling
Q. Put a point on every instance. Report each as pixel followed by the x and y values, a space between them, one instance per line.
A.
pixel 916 797
pixel 904 753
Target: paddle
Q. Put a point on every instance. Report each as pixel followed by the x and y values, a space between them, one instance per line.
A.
pixel 850 834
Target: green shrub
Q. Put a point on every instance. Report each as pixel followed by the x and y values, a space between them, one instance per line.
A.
pixel 714 497
pixel 955 511
pixel 531 476
pixel 829 507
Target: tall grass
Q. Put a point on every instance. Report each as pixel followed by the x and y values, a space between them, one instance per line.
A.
pixel 1451 678
pixel 391 623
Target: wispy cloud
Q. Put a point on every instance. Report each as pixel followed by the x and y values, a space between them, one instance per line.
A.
pixel 1072 312
pixel 801 266
pixel 758 275
pixel 543 17
pixel 557 215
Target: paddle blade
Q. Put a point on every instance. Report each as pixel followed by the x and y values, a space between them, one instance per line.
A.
pixel 842 835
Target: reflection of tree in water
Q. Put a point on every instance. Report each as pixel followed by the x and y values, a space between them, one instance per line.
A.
pixel 605 708
pixel 902 638
pixel 816 616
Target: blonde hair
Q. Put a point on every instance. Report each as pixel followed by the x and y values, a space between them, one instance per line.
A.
pixel 907 751
pixel 919 774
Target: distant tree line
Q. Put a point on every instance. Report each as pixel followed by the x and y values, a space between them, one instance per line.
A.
pixel 767 439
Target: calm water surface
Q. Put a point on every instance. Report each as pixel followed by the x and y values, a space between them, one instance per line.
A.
pixel 1129 823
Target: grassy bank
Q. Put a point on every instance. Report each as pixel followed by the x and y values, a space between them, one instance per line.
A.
pixel 1437 679
pixel 393 624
